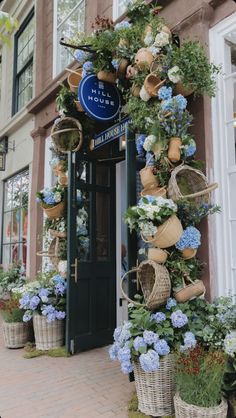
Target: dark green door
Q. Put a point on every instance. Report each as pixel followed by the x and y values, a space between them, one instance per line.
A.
pixel 91 307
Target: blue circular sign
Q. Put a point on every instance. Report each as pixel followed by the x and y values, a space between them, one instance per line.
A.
pixel 101 100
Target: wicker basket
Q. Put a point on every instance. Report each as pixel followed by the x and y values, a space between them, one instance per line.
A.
pixel 180 89
pixel 185 410
pixel 74 79
pixel 188 292
pixel 174 150
pixel 154 190
pixel 56 211
pixel 155 284
pixel 48 335
pixel 53 252
pixel 152 84
pixel 15 334
pixel 194 181
pixel 188 253
pixel 147 177
pixel 155 390
pixel 167 234
pixel 67 135
pixel 58 234
pixel 157 255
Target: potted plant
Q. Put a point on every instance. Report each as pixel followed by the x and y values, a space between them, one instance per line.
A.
pixel 9 279
pixel 44 301
pixel 190 70
pixel 199 377
pixel 155 218
pixel 146 344
pixel 15 331
pixel 52 200
pixel 229 384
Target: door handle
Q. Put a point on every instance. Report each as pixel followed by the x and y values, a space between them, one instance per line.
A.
pixel 75 275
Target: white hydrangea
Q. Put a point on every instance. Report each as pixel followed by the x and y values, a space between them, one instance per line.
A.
pixel 144 94
pixel 154 50
pixel 230 344
pixel 62 267
pixel 149 142
pixel 162 39
pixel 174 74
pixel 148 40
pixel 147 228
pixel 57 197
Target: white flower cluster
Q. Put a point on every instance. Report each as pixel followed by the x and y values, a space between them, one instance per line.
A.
pixel 174 74
pixel 147 228
pixel 162 39
pixel 144 94
pixel 149 142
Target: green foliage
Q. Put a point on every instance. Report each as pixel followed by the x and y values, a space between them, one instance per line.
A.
pixel 142 113
pixel 12 278
pixel 195 70
pixel 104 43
pixel 180 269
pixel 10 310
pixel 229 384
pixel 65 101
pixel 7 26
pixel 191 213
pixel 199 377
pixel 32 352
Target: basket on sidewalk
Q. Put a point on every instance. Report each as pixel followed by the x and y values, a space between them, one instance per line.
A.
pixel 155 284
pixel 15 334
pixel 155 390
pixel 185 410
pixel 48 335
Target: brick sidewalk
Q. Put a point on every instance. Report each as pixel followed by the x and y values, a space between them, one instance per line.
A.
pixel 87 385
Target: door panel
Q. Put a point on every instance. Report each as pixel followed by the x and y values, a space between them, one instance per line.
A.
pixel 91 315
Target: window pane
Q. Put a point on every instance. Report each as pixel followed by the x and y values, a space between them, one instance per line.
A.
pixel 25 45
pixel 122 5
pixel 64 8
pixel 15 219
pixel 25 88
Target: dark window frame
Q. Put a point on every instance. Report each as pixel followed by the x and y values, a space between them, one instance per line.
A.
pixel 16 75
pixel 22 172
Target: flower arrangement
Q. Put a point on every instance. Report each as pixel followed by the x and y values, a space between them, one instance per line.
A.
pixel 180 269
pixel 45 296
pixel 147 337
pixel 191 213
pixel 149 214
pixel 174 118
pixel 199 376
pixel 191 238
pixel 50 197
pixel 57 224
pixel 10 279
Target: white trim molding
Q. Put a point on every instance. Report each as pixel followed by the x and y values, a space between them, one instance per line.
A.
pixel 223 153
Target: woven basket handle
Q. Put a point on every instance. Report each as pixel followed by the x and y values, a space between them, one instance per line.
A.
pixel 192 282
pixel 65 130
pixel 122 290
pixel 150 241
pixel 159 84
pixel 209 189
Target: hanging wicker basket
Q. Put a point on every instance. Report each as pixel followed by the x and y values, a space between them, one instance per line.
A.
pixel 67 135
pixel 167 234
pixel 143 58
pixel 53 251
pixel 189 183
pixel 157 255
pixel 56 211
pixel 185 410
pixel 188 253
pixel 63 179
pixel 174 150
pixel 15 334
pixel 180 89
pixel 48 335
pixel 155 390
pixel 155 284
pixel 107 76
pixel 59 234
pixel 153 190
pixel 74 78
pixel 147 177
pixel 190 291
pixel 152 84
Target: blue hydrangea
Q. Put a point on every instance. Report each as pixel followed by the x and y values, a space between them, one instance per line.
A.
pixel 113 351
pixel 139 343
pixel 88 67
pixel 60 289
pixel 58 279
pixel 162 347
pixel 174 104
pixel 178 319
pixel 190 150
pixel 171 303
pixel 24 301
pixel 43 292
pixel 34 301
pixel 149 198
pixel 122 25
pixel 126 367
pixel 49 198
pixel 27 316
pixel 80 56
pixel 189 340
pixel 191 238
pixel 150 337
pixel 60 315
pixel 165 93
pixel 167 105
pixel 124 354
pixel 125 332
pixel 181 101
pixel 150 162
pixel 115 63
pixel 149 361
pixel 116 334
pixel 50 312
pixel 139 144
pixel 158 317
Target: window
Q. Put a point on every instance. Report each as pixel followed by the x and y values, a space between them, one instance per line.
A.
pixel 69 19
pixel 119 7
pixel 15 219
pixel 23 64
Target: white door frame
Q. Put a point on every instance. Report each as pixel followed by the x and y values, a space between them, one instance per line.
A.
pixel 220 225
